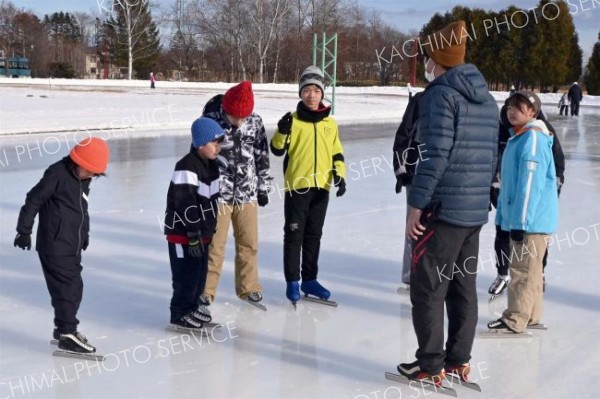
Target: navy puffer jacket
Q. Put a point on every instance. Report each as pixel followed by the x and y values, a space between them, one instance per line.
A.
pixel 458 127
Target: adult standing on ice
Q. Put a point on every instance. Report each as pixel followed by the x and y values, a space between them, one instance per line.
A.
pixel 245 183
pixel 61 199
pixel 152 80
pixel 449 200
pixel 575 97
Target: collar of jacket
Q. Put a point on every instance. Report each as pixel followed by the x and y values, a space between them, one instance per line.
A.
pixel 307 115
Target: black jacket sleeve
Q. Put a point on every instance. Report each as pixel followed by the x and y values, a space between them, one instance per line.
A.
pixel 36 197
pixel 405 132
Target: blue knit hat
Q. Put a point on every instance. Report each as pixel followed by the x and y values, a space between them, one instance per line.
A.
pixel 205 130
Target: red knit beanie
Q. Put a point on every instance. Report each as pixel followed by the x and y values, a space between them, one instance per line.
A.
pixel 91 154
pixel 239 100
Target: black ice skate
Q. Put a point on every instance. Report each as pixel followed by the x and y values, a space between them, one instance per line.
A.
pixel 187 324
pixel 499 329
pixel 498 286
pixel 76 345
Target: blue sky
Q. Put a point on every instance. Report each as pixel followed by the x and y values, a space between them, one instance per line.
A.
pixel 405 15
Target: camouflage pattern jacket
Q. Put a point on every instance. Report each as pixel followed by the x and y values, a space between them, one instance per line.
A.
pixel 245 172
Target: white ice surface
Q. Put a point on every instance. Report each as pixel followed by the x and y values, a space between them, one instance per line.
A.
pixel 314 352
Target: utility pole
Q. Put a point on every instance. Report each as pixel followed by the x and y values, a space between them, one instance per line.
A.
pixel 327 50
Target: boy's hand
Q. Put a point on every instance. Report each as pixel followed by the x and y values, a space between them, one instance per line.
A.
pixel 23 241
pixel 340 183
pixel 517 235
pixel 263 199
pixel 285 124
pixel 195 246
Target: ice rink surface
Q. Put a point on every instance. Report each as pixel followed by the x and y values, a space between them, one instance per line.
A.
pixel 314 351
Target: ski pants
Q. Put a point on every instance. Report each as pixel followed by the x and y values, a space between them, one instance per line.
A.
pixel 304 218
pixel 63 279
pixel 189 278
pixel 244 219
pixel 444 271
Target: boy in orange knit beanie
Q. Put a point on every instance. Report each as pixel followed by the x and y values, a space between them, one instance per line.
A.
pixel 61 199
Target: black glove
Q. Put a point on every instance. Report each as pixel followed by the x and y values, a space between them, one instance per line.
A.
pixel 263 199
pixel 195 246
pixel 86 242
pixel 23 241
pixel 285 124
pixel 402 179
pixel 494 194
pixel 517 235
pixel 340 183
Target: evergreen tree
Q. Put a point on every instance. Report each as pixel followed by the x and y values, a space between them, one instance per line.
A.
pixel 574 61
pixel 133 37
pixel 592 75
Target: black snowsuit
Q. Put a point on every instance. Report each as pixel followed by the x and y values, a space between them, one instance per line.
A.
pixel 61 200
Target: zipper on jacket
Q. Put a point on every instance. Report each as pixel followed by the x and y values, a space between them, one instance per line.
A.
pixel 78 252
pixel 315 167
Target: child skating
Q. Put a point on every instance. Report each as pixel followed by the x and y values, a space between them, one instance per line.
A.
pixel 314 162
pixel 190 222
pixel 61 200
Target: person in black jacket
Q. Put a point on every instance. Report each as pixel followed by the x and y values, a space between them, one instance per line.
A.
pixel 575 97
pixel 405 158
pixel 61 199
pixel 502 240
pixel 190 222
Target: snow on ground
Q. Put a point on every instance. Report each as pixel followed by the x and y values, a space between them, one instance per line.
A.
pixel 314 352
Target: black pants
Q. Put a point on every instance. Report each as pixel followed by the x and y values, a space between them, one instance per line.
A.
pixel 189 278
pixel 503 252
pixel 304 218
pixel 63 279
pixel 565 109
pixel 574 108
pixel 444 269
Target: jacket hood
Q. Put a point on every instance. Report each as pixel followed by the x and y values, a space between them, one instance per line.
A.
pixel 467 80
pixel 537 124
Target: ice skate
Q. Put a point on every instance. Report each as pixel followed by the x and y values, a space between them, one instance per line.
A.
pixel 292 292
pixel 254 298
pixel 76 345
pixel 315 292
pixel 202 314
pixel 499 329
pixel 412 375
pixel 187 324
pixel 459 374
pixel 498 286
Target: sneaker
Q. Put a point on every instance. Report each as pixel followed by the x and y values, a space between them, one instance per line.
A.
pixel 499 285
pixel 292 291
pixel 312 287
pixel 412 371
pixel 188 321
pixel 75 342
pixel 202 314
pixel 204 300
pixel 499 326
pixel 255 296
pixel 461 370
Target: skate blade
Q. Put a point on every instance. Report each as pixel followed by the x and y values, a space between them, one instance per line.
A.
pixel 320 301
pixel 212 324
pixel 185 330
pixel 403 290
pixel 256 304
pixel 426 386
pixel 77 355
pixel 493 297
pixel 454 378
pixel 538 326
pixel 504 334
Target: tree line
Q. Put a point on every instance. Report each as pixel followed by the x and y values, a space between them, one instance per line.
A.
pixel 271 41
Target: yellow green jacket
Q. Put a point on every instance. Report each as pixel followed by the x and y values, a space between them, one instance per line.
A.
pixel 313 152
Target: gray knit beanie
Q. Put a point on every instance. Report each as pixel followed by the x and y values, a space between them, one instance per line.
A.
pixel 312 76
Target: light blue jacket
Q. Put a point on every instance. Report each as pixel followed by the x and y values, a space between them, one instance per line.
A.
pixel 528 195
